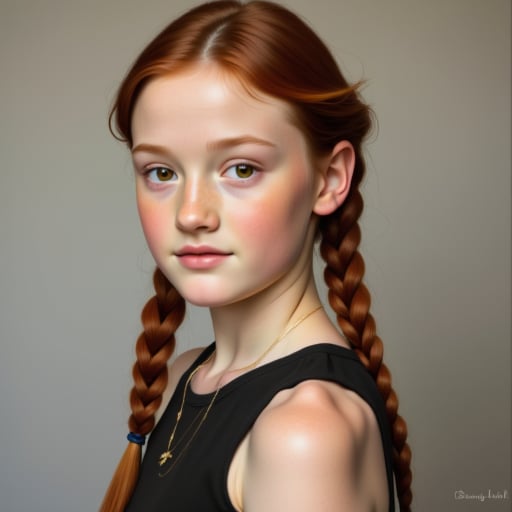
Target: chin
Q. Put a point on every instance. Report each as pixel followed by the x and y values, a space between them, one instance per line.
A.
pixel 206 295
pixel 205 301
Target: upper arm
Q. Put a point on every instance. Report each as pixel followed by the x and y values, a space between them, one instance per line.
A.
pixel 310 452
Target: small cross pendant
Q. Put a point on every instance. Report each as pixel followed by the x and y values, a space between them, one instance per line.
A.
pixel 165 457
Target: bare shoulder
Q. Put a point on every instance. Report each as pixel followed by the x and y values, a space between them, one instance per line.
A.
pixel 176 369
pixel 183 362
pixel 315 447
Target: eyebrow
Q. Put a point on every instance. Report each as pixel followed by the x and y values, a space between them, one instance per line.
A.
pixel 150 148
pixel 211 146
pixel 238 141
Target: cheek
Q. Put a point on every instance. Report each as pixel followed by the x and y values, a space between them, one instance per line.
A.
pixel 154 223
pixel 276 221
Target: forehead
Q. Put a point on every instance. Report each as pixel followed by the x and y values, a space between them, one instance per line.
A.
pixel 206 96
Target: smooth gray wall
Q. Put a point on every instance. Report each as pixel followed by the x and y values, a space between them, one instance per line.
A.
pixel 74 271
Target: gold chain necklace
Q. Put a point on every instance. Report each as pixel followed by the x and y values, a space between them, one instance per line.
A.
pixel 168 454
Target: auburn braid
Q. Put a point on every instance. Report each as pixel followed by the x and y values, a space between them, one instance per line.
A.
pixel 161 316
pixel 350 300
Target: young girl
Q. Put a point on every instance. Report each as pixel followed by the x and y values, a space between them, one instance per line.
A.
pixel 246 143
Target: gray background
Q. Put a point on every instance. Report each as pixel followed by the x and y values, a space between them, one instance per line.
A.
pixel 74 270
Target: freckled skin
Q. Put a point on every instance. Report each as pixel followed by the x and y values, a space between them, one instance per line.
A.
pixel 264 222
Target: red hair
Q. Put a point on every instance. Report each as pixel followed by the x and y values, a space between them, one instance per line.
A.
pixel 272 51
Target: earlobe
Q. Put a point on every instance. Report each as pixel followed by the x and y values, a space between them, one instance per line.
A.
pixel 336 178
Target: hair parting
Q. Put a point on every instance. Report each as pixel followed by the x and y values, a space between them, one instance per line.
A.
pixel 271 51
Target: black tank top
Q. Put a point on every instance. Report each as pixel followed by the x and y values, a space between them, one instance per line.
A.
pixel 198 480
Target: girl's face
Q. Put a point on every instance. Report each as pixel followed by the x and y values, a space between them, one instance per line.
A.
pixel 225 187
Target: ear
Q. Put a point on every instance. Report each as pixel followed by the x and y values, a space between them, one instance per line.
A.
pixel 335 178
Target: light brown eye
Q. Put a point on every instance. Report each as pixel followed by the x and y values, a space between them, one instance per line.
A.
pixel 241 171
pixel 159 174
pixel 244 170
pixel 163 174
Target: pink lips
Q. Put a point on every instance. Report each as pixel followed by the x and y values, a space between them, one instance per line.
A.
pixel 201 257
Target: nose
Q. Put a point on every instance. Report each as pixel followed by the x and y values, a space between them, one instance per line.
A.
pixel 198 206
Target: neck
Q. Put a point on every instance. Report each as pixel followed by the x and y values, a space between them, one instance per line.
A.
pixel 244 331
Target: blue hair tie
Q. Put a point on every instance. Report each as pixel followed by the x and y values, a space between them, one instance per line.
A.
pixel 136 438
